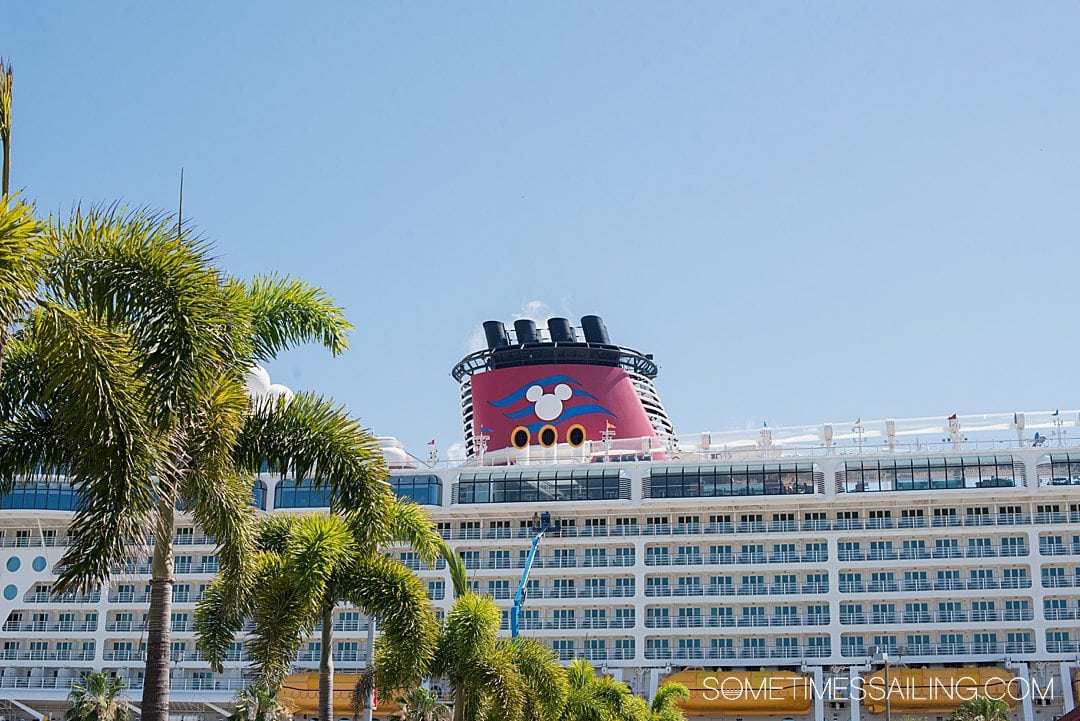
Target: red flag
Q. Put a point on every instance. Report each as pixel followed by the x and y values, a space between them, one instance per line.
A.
pixel 952 417
pixel 431 442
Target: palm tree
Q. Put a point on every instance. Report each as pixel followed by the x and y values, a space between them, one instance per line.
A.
pixel 665 704
pixel 98 698
pixel 598 698
pixel 125 370
pixel 258 703
pixel 20 260
pixel 306 566
pixel 421 704
pixel 5 130
pixel 981 708
pixel 492 679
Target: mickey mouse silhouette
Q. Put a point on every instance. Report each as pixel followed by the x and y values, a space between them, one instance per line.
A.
pixel 548 406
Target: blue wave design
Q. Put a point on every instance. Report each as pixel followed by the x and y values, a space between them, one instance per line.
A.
pixel 568 413
pixel 526 411
pixel 520 392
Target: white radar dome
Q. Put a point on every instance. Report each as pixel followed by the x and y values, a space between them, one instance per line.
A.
pixel 257 382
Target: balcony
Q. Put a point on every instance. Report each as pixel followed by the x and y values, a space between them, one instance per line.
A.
pixel 50 626
pixel 769 527
pixel 142 626
pixel 724 621
pixel 1061 614
pixel 904 554
pixel 32 597
pixel 573 624
pixel 595 654
pixel 1059 549
pixel 550 562
pixel 1062 646
pixel 941 584
pixel 601 592
pixel 1060 581
pixel 713 559
pixel 351 655
pixel 724 589
pixel 46 655
pixel 746 652
pixel 944 649
pixel 133 684
pixel 1025 614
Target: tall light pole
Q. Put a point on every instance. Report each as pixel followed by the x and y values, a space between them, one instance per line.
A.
pixel 369 702
pixel 880 655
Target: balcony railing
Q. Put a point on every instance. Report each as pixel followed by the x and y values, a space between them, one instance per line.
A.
pixel 723 589
pixel 762 527
pixel 50 626
pixel 746 652
pixel 314 655
pixel 595 654
pixel 938 584
pixel 943 649
pixel 1061 614
pixel 757 621
pixel 713 559
pixel 1059 549
pixel 1022 614
pixel 32 597
pixel 1062 646
pixel 551 562
pixel 133 684
pixel 1060 581
pixel 898 554
pixel 601 592
pixel 46 655
pixel 561 624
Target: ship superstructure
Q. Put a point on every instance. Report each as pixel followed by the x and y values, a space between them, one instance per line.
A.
pixel 944 549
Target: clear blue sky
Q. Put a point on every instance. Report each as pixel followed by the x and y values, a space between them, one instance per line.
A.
pixel 807 211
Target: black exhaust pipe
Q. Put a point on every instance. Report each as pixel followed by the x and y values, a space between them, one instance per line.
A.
pixel 525 330
pixel 595 330
pixel 561 331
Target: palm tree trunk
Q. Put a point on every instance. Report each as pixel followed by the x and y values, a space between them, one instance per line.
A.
pixel 459 699
pixel 326 664
pixel 5 174
pixel 155 698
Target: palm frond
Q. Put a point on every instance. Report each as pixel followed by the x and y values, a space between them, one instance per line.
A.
pixel 471 628
pixel 668 697
pixel 388 591
pixel 284 615
pixel 137 271
pixel 217 496
pixel 411 525
pixel 220 614
pixel 543 680
pixel 21 251
pixel 287 312
pixel 97 402
pixel 456 566
pixel 310 437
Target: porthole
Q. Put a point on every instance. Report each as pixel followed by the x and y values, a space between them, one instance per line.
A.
pixel 520 437
pixel 548 436
pixel 575 435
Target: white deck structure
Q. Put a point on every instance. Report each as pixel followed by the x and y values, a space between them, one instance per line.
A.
pixel 945 542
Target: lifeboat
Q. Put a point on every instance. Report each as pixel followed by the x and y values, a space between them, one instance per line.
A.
pixel 757 692
pixel 935 689
pixel 300 692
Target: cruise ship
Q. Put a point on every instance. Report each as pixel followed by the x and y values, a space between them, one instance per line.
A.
pixel 847 571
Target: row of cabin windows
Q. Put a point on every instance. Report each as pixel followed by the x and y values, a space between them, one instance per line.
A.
pixel 783 517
